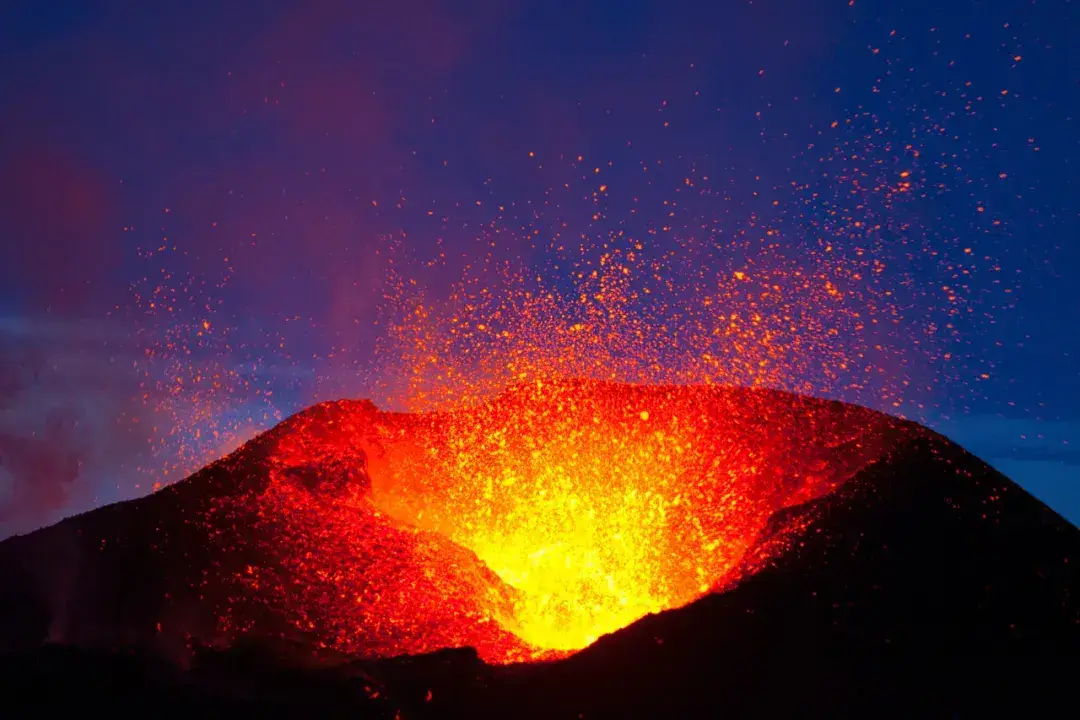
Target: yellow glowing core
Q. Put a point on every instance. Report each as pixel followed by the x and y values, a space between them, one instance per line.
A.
pixel 598 516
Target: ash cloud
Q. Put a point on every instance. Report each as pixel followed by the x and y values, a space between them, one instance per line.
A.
pixel 40 457
pixel 40 467
pixel 62 400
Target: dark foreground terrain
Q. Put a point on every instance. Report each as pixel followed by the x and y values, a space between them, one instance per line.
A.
pixel 928 585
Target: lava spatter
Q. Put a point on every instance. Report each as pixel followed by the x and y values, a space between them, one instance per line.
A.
pixel 531 524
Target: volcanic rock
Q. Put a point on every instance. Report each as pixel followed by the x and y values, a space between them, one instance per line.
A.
pixel 890 573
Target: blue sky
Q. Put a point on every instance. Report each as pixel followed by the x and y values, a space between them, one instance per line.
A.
pixel 243 164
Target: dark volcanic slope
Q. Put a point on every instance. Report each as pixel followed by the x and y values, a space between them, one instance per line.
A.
pixel 927 583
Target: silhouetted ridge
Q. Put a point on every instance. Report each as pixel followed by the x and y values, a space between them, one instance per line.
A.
pixel 925 582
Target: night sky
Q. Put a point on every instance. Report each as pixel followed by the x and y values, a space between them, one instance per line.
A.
pixel 201 202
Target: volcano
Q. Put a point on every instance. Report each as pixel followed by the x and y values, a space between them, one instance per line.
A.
pixel 564 549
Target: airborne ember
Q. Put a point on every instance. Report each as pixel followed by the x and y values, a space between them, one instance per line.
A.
pixel 577 454
pixel 572 462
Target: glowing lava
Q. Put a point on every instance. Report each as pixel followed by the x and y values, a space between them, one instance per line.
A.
pixel 530 525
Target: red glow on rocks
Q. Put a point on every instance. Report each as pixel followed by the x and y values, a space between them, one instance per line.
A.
pixel 529 525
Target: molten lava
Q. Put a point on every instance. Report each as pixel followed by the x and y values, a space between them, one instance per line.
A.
pixel 532 524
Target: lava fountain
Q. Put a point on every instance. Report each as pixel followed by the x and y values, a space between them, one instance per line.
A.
pixel 532 524
pixel 559 475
